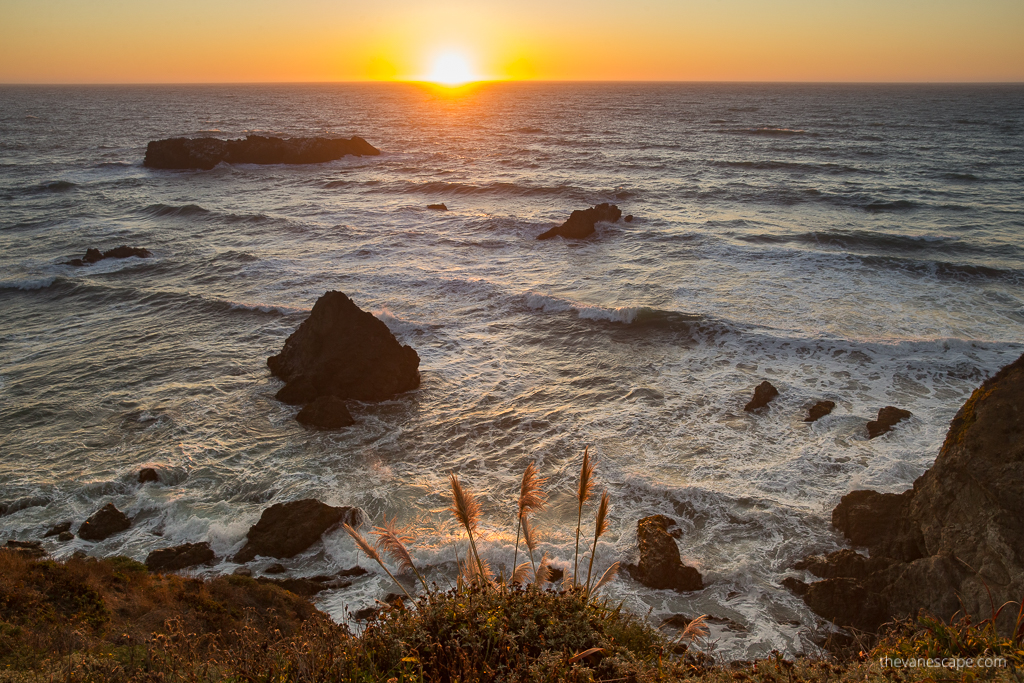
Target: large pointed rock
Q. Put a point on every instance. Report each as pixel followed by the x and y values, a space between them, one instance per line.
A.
pixel 286 529
pixel 343 351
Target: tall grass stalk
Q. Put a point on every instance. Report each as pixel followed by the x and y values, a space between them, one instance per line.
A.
pixel 583 492
pixel 467 510
pixel 373 555
pixel 391 541
pixel 530 500
pixel 600 526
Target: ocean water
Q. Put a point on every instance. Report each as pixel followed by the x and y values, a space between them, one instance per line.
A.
pixel 863 244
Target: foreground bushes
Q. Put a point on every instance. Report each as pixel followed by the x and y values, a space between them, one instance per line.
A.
pixel 110 620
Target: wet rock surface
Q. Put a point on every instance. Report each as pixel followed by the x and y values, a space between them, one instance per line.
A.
pixel 205 153
pixel 286 529
pixel 660 565
pixel 104 523
pixel 887 419
pixel 179 557
pixel 93 255
pixel 581 222
pixel 345 352
pixel 948 541
pixel 819 410
pixel 326 412
pixel 764 393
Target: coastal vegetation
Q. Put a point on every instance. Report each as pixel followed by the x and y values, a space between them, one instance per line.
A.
pixel 112 619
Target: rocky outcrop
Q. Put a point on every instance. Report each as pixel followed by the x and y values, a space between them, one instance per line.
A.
pixel 819 410
pixel 660 565
pixel 948 541
pixel 308 585
pixel 437 207
pixel 105 522
pixel 179 557
pixel 581 223
pixel 887 419
pixel 763 394
pixel 345 352
pixel 326 412
pixel 93 255
pixel 205 153
pixel 286 529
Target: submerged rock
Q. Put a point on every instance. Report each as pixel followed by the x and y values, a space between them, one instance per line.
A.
pixel 179 557
pixel 205 153
pixel 437 207
pixel 819 410
pixel 286 529
pixel 345 352
pixel 763 394
pixel 955 541
pixel 105 522
pixel 660 565
pixel 58 529
pixel 581 222
pixel 93 255
pixel 887 418
pixel 326 412
pixel 148 474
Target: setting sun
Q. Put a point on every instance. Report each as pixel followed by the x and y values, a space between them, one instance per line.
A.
pixel 450 68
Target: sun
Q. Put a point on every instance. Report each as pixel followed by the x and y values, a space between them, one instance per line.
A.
pixel 450 68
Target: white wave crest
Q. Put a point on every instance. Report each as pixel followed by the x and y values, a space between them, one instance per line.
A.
pixel 28 283
pixel 552 304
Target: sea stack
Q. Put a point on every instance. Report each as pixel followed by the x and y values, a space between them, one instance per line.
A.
pixel 345 352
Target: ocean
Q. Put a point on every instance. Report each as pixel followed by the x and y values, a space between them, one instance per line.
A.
pixel 857 243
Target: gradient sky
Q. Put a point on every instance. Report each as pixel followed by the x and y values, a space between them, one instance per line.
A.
pixel 194 41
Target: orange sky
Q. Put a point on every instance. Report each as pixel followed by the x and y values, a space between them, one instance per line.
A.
pixel 192 41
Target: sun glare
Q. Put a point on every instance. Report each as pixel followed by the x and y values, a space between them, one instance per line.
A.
pixel 450 68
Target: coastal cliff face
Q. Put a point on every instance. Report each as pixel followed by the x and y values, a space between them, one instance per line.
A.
pixel 948 542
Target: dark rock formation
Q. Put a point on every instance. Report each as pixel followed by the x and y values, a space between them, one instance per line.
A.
pixel 307 586
pixel 65 536
pixel 887 417
pixel 105 522
pixel 326 412
pixel 58 529
pixel 660 565
pixel 629 218
pixel 93 255
pixel 437 207
pixel 556 574
pixel 147 474
pixel 763 394
pixel 179 557
pixel 581 223
pixel 795 585
pixel 205 153
pixel 30 548
pixel 345 352
pixel 944 544
pixel 286 529
pixel 276 568
pixel 819 410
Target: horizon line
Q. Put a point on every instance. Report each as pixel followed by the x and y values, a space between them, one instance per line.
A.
pixel 483 81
